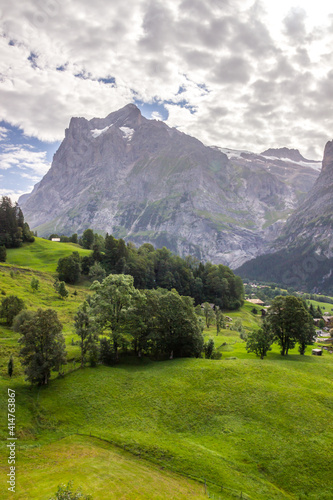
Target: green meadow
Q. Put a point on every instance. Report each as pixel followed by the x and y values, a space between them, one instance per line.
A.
pixel 42 255
pixel 245 427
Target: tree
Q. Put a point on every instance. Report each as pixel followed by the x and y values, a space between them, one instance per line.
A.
pixel 288 318
pixel 20 318
pixel 10 307
pixel 65 492
pixel 220 320
pixel 3 253
pixel 43 346
pixel 10 366
pixel 312 310
pixel 140 318
pixel 74 238
pixel 177 329
pixel 62 290
pixel 85 329
pixel 96 272
pixel 209 348
pixel 260 341
pixel 109 303
pixel 238 327
pixel 34 283
pixel 208 313
pixel 88 239
pixel 69 268
pixel 306 335
pixel 318 313
pixel 13 230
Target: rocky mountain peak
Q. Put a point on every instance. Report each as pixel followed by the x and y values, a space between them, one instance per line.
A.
pixel 144 181
pixel 291 154
pixel 328 158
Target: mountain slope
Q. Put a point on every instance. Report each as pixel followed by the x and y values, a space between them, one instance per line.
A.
pixel 303 254
pixel 144 181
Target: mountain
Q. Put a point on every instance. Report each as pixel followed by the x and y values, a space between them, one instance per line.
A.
pixel 302 256
pixel 146 182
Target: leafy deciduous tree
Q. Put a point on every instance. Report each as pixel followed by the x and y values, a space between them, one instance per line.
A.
pixel 260 341
pixel 85 330
pixel 289 318
pixel 43 346
pixel 69 268
pixel 108 305
pixel 10 307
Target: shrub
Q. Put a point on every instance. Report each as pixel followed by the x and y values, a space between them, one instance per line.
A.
pixel 66 493
pixel 10 307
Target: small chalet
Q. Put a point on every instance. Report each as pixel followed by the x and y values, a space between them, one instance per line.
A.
pixel 257 302
pixel 328 321
pixel 317 352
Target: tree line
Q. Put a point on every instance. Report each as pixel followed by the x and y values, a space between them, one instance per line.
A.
pixel 154 268
pixel 116 319
pixel 119 319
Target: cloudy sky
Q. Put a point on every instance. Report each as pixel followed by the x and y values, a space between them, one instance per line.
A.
pixel 238 74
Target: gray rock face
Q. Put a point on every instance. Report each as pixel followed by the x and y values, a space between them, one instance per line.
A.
pixel 311 224
pixel 146 182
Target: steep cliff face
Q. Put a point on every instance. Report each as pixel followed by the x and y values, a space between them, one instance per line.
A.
pixel 146 182
pixel 312 223
pixel 302 256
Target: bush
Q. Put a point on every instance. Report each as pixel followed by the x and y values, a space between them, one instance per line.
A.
pixel 10 307
pixel 66 493
pixel 209 348
pixel 216 354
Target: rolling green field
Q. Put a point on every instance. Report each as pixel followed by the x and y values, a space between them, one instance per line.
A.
pixel 42 255
pixel 160 430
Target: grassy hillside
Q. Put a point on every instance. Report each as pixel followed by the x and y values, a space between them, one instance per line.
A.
pixel 42 255
pixel 158 430
pixel 110 472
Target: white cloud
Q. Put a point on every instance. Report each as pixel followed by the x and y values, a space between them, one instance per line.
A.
pixel 3 133
pixel 156 116
pixel 13 195
pixel 229 58
pixel 31 162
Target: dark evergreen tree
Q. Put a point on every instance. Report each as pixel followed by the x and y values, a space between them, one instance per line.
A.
pixel 13 230
pixel 3 253
pixel 88 238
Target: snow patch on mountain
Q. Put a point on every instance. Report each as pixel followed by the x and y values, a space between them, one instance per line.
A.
pixel 97 132
pixel 316 165
pixel 128 132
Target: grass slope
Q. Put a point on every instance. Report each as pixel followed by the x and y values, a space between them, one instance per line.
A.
pixel 263 427
pixel 42 255
pixel 110 472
